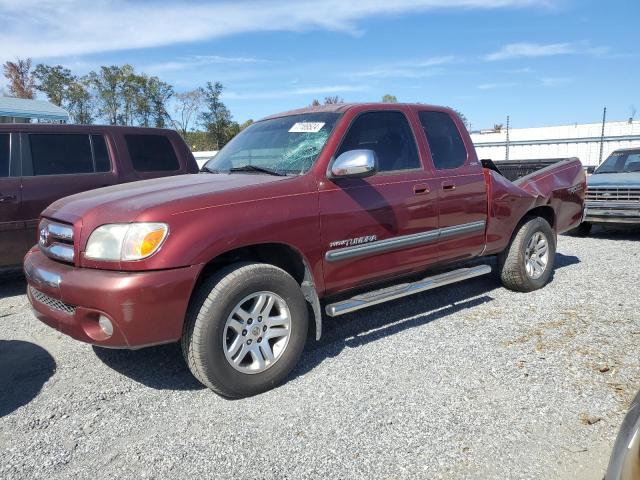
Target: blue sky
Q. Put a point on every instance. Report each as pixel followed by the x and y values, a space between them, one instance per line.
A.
pixel 542 62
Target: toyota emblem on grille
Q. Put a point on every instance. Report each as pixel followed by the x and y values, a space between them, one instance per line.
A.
pixel 44 236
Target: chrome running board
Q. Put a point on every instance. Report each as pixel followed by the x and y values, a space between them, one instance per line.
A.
pixel 398 291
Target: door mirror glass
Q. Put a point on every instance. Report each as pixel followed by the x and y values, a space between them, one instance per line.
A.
pixel 355 163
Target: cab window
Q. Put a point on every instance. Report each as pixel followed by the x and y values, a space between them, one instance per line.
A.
pixel 389 135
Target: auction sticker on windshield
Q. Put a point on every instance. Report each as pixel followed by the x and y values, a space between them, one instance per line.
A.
pixel 306 127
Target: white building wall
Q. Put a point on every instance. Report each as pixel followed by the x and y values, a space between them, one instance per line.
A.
pixel 578 140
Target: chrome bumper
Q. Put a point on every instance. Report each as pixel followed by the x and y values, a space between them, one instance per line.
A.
pixel 612 212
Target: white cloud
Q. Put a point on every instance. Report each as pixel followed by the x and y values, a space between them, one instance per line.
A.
pixel 73 27
pixel 493 86
pixel 194 61
pixel 555 81
pixel 319 90
pixel 532 50
pixel 408 69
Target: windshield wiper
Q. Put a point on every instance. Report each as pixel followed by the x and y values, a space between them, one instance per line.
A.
pixel 255 168
pixel 209 170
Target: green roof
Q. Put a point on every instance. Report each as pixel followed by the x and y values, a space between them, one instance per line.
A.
pixel 23 108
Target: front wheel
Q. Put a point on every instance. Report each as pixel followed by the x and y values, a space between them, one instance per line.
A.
pixel 245 329
pixel 526 264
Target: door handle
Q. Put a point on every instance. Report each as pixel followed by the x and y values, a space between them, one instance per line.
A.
pixel 421 189
pixel 6 198
pixel 448 186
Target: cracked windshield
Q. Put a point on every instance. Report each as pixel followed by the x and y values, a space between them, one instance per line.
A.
pixel 286 145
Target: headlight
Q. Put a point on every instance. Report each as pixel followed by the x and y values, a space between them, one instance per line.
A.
pixel 126 241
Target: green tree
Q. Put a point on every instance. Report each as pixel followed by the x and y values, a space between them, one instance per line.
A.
pixel 246 124
pixel 388 98
pixel 315 102
pixel 79 102
pixel 54 82
pixel 21 81
pixel 125 97
pixel 216 118
pixel 107 83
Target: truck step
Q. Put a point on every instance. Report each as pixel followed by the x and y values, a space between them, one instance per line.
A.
pixel 398 291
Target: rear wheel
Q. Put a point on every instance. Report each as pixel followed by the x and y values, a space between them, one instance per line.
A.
pixel 245 329
pixel 527 263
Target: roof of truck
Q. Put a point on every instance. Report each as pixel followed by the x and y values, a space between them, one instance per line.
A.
pixel 343 107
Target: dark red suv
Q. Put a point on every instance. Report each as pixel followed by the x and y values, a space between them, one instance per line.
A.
pixel 40 164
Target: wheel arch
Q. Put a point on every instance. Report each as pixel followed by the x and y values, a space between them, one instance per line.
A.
pixel 280 255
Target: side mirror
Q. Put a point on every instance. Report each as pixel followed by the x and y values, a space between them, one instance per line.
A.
pixel 355 163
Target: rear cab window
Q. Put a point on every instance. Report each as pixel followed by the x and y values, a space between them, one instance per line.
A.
pixel 152 153
pixel 444 139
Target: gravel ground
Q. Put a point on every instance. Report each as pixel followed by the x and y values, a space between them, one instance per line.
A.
pixel 469 381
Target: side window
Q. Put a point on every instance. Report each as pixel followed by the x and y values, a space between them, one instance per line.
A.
pixel 386 133
pixel 445 142
pixel 151 153
pixel 4 154
pixel 56 154
pixel 101 153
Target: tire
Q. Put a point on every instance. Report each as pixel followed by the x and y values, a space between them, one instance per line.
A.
pixel 213 325
pixel 582 230
pixel 512 262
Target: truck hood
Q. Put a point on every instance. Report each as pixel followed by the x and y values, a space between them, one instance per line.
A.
pixel 130 201
pixel 628 179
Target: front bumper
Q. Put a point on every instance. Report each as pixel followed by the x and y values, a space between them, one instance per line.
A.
pixel 612 212
pixel 145 308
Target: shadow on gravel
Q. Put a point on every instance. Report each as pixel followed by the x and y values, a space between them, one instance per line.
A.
pixel 563 260
pixel 369 325
pixel 24 369
pixel 615 233
pixel 161 367
pixel 12 284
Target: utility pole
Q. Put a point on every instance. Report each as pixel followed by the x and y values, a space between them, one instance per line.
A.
pixel 507 143
pixel 604 119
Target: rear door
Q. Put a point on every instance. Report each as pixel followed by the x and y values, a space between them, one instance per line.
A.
pixel 393 213
pixel 12 235
pixel 462 195
pixel 56 165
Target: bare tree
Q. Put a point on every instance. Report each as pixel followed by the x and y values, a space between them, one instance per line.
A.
pixel 498 127
pixel 187 108
pixel 333 100
pixel 21 82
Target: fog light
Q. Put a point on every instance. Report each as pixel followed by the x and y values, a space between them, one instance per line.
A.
pixel 105 325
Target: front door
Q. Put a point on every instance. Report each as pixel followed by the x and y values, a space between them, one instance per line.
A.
pixel 12 236
pixel 379 226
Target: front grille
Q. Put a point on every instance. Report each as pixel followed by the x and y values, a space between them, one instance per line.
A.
pixel 52 302
pixel 613 194
pixel 56 240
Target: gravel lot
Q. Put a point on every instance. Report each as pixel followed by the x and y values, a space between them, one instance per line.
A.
pixel 470 381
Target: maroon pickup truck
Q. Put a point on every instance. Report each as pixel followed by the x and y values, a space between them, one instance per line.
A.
pixel 320 210
pixel 41 163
